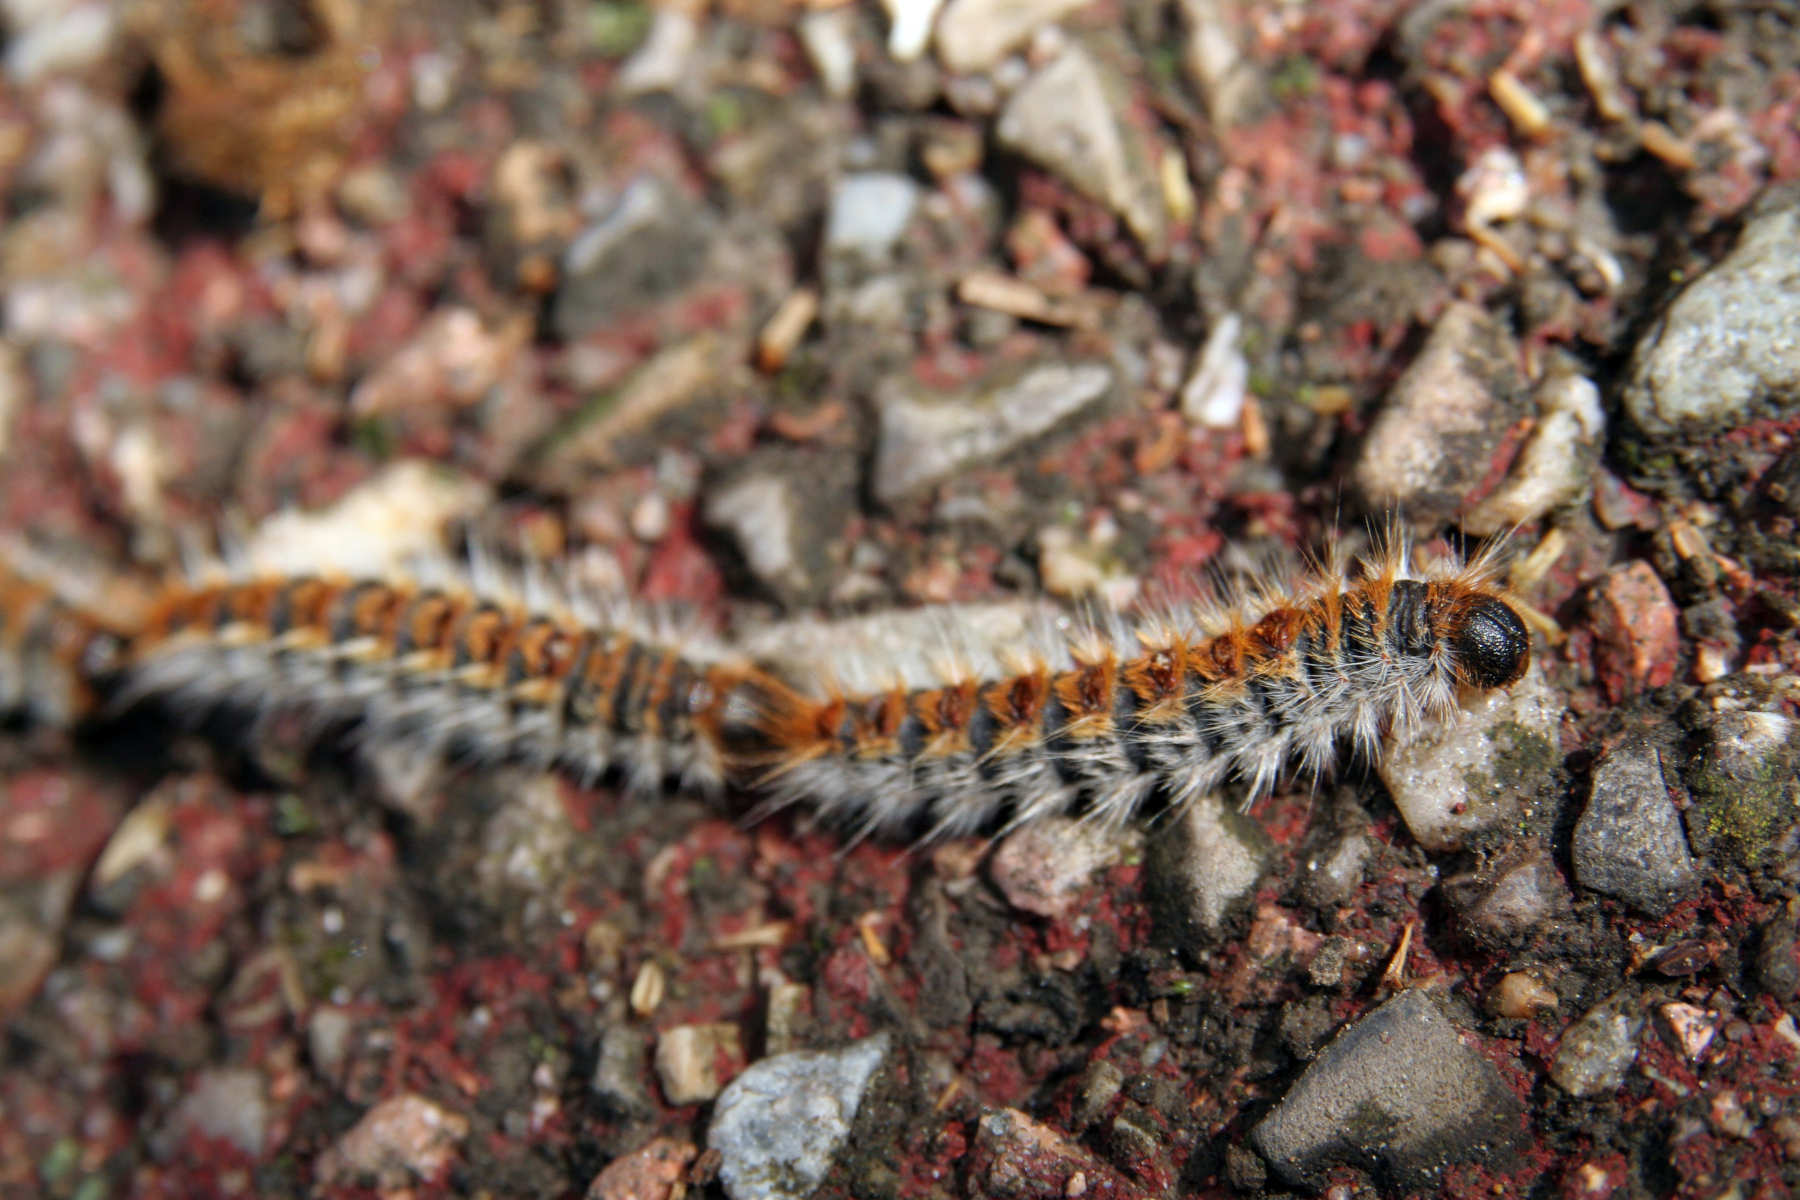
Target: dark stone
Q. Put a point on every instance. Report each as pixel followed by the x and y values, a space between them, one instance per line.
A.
pixel 1397 1094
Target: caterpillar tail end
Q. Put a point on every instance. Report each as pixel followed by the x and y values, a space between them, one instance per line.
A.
pixel 52 653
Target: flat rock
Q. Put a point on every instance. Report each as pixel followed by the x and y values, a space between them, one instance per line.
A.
pixel 1437 432
pixel 926 437
pixel 1397 1094
pixel 779 1126
pixel 1725 348
pixel 1628 843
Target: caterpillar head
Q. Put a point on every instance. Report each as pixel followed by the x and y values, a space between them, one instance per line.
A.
pixel 1492 645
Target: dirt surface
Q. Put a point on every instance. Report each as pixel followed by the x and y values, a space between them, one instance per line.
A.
pixel 773 311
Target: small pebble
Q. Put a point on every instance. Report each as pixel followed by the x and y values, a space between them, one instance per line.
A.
pixel 1442 423
pixel 973 35
pixel 694 1061
pixel 868 214
pixel 1746 787
pixel 1044 867
pixel 650 1172
pixel 1066 119
pixel 230 1104
pixel 403 1140
pixel 1596 1051
pixel 925 437
pixel 909 27
pixel 1214 395
pixel 1556 464
pixel 620 1071
pixel 1021 1158
pixel 826 35
pixel 1636 627
pixel 1459 778
pixel 1725 346
pixel 1509 900
pixel 1689 1026
pixel 1520 994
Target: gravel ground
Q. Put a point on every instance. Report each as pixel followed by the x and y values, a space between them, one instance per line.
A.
pixel 766 309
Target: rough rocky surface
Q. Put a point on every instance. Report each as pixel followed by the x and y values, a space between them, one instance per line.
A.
pixel 1397 1092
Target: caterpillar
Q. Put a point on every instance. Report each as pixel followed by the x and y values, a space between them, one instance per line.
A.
pixel 949 737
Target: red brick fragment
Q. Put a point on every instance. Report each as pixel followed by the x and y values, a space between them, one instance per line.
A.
pixel 1635 630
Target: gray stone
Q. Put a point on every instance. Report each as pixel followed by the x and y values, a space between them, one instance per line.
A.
pixel 1200 869
pixel 1507 901
pixel 1456 779
pixel 525 846
pixel 782 508
pixel 1725 348
pixel 1066 119
pixel 328 1033
pixel 1397 1094
pixel 1436 434
pixel 1628 843
pixel 620 1071
pixel 926 437
pixel 1332 875
pixel 869 212
pixel 651 243
pixel 778 1127
pixel 760 513
pixel 1597 1049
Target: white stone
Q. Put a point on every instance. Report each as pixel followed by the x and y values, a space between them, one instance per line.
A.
pixel 1214 395
pixel 1448 780
pixel 780 1124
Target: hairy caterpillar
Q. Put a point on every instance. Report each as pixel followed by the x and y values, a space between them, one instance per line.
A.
pixel 958 737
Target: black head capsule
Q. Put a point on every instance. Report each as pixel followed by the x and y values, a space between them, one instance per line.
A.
pixel 1492 645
